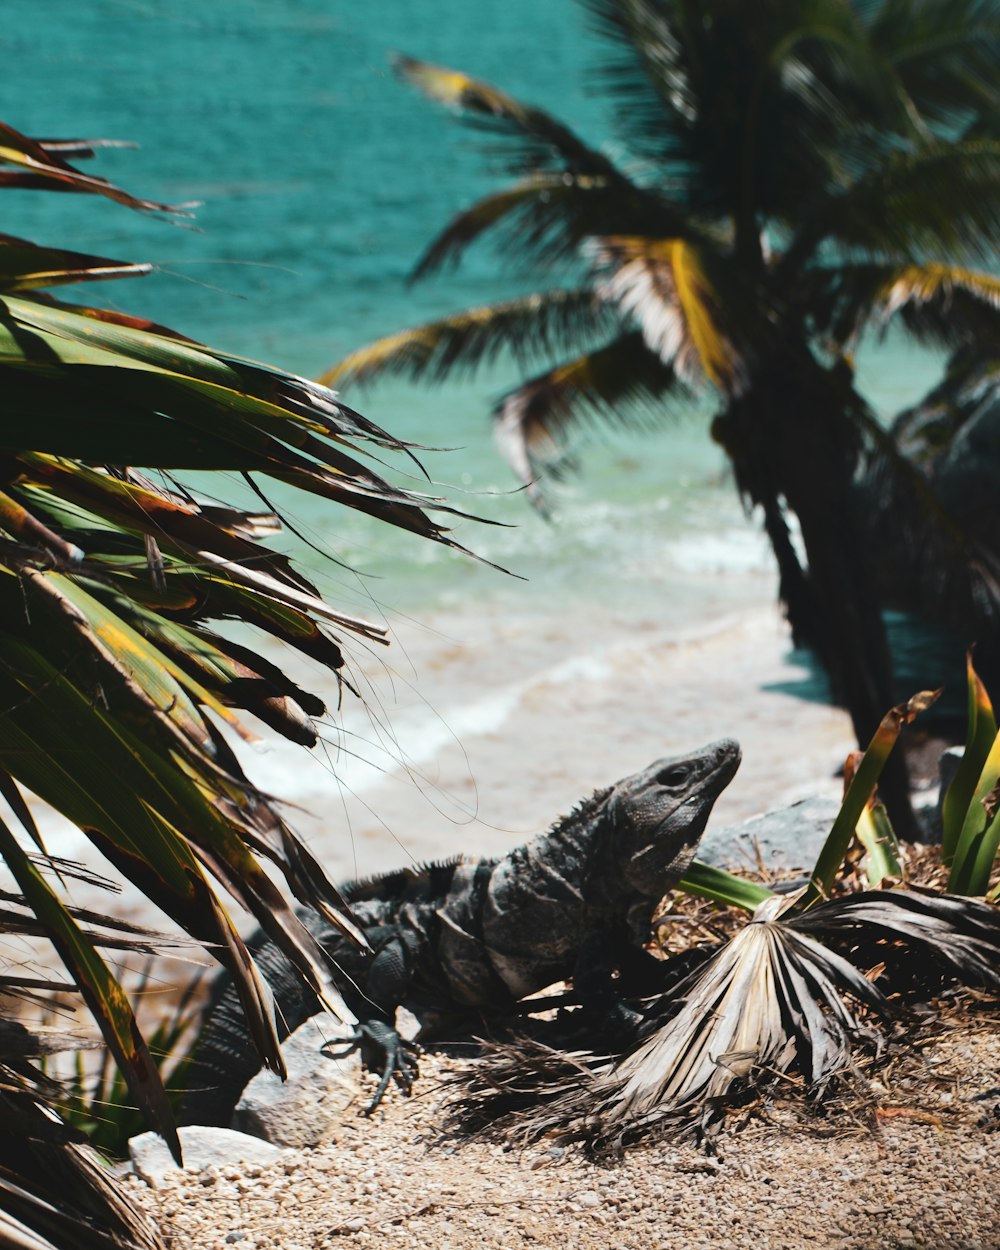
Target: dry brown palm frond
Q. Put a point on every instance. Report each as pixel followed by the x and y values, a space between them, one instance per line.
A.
pixel 56 1192
pixel 772 1001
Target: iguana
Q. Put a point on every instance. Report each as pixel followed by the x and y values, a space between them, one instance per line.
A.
pixel 471 938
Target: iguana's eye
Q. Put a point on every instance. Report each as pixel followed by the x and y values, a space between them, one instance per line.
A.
pixel 676 777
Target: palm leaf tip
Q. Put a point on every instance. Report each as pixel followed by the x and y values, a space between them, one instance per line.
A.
pixel 449 86
pixel 623 381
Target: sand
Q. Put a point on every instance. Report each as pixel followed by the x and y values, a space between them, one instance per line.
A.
pixel 496 724
pixel 918 1173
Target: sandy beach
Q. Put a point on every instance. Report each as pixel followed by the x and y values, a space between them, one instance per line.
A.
pixel 482 729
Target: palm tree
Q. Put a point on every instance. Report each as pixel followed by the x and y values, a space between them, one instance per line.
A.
pixel 799 174
pixel 115 675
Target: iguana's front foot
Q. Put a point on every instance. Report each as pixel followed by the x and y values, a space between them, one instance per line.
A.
pixel 385 1052
pixel 614 1027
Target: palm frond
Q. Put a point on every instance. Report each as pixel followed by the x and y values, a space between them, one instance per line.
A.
pixel 567 190
pixel 621 381
pixel 942 57
pixel 113 680
pixel 940 936
pixel 544 141
pixel 938 303
pixel 549 216
pixel 936 199
pixel 25 266
pixel 529 327
pixel 648 73
pixel 740 120
pixel 54 1190
pixel 664 286
pixel 42 165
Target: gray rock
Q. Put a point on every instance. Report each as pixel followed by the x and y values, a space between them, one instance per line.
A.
pixel 931 817
pixel 321 1085
pixel 790 837
pixel 202 1148
pixel 948 766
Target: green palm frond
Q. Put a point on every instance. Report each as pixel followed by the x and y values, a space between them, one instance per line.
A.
pixel 941 55
pixel 528 328
pixel 622 381
pixel 164 402
pixel 937 199
pixel 114 673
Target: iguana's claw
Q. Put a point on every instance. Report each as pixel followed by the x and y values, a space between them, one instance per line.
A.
pixel 392 1056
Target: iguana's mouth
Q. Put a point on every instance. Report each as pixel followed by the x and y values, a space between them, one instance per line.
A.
pixel 705 775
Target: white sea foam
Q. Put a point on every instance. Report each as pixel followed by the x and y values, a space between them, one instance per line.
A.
pixel 744 550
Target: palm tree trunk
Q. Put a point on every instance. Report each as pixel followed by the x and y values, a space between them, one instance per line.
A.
pixel 794 450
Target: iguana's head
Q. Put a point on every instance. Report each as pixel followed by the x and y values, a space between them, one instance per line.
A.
pixel 657 816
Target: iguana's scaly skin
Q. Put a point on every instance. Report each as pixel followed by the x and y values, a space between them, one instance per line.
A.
pixel 468 939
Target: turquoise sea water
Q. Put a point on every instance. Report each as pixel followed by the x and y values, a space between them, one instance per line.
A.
pixel 321 179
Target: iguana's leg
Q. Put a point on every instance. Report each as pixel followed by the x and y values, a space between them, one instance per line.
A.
pixel 386 986
pixel 596 983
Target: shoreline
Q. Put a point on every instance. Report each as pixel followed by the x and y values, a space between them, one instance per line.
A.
pixel 554 714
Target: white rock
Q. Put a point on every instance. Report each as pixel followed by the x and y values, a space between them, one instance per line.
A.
pixel 202 1148
pixel 321 1085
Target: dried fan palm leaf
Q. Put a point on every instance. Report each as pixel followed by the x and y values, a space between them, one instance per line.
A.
pixel 773 1000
